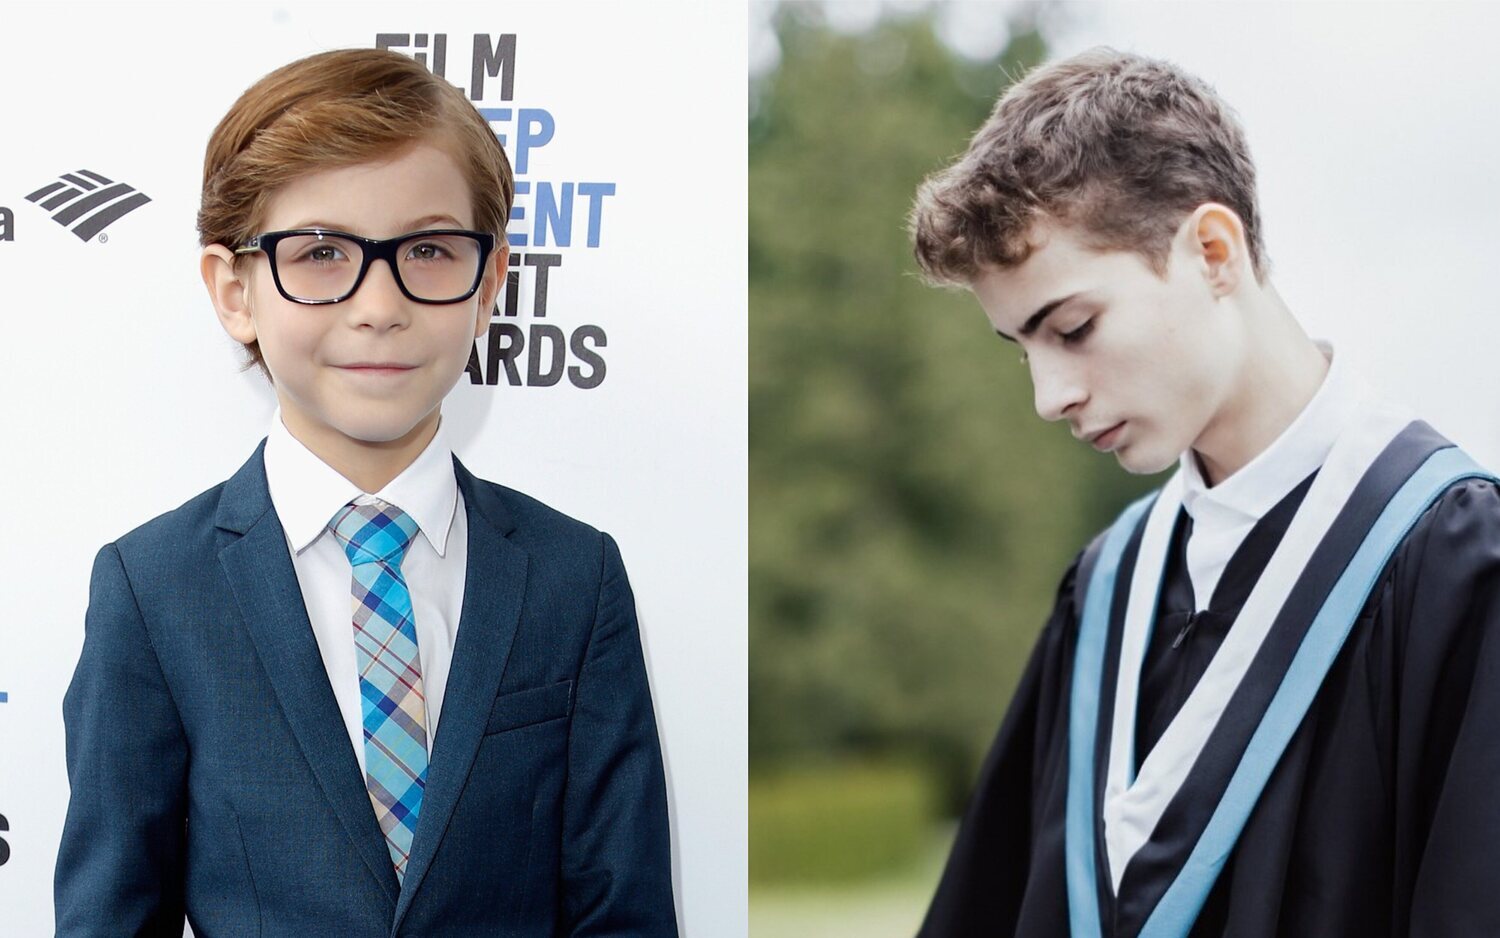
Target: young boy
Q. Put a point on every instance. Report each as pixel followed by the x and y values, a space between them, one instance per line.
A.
pixel 1268 699
pixel 243 751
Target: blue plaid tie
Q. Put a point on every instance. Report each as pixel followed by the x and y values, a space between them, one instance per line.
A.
pixel 375 537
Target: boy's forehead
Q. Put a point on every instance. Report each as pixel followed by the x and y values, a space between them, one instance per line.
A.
pixel 420 187
pixel 341 222
pixel 1056 251
pixel 1058 264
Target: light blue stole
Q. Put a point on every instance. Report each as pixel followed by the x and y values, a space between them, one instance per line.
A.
pixel 1175 913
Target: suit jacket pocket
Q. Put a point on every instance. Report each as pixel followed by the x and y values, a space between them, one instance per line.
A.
pixel 533 705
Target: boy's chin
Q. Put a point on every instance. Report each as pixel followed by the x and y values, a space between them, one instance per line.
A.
pixel 376 429
pixel 1140 460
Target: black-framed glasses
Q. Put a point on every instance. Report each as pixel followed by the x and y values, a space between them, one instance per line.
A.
pixel 322 265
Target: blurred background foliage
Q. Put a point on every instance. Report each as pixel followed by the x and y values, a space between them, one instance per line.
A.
pixel 910 514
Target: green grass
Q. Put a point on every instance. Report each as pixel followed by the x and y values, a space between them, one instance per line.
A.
pixel 888 906
pixel 839 823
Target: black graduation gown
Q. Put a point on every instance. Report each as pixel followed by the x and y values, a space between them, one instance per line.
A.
pixel 1382 817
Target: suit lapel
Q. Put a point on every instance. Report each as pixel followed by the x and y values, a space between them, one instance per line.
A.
pixel 494 586
pixel 259 569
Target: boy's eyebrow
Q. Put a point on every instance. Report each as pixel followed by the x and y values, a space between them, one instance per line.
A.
pixel 1034 321
pixel 412 225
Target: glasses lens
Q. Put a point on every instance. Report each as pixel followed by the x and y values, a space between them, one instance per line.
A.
pixel 317 267
pixel 439 267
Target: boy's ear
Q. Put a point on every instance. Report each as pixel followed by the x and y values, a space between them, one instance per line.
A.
pixel 1216 239
pixel 489 288
pixel 226 289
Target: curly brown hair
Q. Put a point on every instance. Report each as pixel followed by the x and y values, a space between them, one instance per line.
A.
pixel 1117 146
pixel 334 109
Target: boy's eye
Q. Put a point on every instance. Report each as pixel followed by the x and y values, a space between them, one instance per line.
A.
pixel 323 254
pixel 427 251
pixel 1077 335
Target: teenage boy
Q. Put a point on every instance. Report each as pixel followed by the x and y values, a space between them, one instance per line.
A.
pixel 1268 699
pixel 247 753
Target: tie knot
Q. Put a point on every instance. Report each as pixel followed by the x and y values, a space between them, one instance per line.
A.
pixel 377 532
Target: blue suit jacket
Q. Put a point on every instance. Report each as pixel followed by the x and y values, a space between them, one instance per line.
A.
pixel 212 775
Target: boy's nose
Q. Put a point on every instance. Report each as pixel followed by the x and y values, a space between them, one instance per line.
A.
pixel 1055 391
pixel 378 296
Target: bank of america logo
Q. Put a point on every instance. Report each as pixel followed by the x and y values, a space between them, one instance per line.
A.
pixel 86 202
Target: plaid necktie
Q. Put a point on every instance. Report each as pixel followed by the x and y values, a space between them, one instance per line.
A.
pixel 375 537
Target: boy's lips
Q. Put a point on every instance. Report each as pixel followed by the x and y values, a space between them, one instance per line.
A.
pixel 376 366
pixel 1104 440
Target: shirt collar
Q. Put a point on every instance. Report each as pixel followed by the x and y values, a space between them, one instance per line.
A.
pixel 306 492
pixel 1294 455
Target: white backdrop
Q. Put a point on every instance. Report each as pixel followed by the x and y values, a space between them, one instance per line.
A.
pixel 122 396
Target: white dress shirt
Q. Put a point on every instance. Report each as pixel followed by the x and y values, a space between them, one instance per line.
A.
pixel 306 493
pixel 1224 514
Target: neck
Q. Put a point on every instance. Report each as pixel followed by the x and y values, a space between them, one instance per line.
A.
pixel 371 465
pixel 1279 375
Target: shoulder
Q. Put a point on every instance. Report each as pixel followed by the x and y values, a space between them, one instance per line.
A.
pixel 1464 519
pixel 1068 587
pixel 1120 538
pixel 185 533
pixel 1067 603
pixel 1447 567
pixel 545 532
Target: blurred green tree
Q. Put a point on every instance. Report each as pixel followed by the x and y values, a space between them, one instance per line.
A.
pixel 910 514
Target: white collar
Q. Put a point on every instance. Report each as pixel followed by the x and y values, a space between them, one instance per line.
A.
pixel 1302 447
pixel 307 492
